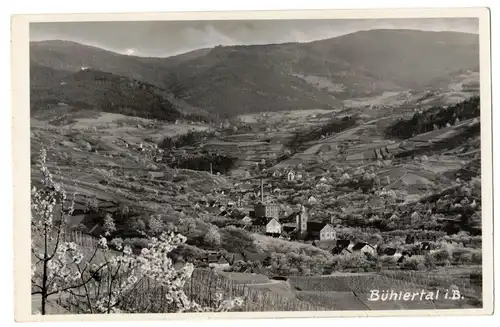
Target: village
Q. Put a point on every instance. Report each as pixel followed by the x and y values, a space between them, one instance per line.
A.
pixel 267 217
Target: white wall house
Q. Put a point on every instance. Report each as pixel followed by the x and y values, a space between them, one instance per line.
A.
pixel 273 227
pixel 327 233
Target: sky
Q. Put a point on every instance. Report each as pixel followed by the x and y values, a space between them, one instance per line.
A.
pixel 167 38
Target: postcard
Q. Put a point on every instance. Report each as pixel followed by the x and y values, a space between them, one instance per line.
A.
pixel 252 164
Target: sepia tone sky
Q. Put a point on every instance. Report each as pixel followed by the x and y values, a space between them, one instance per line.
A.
pixel 166 38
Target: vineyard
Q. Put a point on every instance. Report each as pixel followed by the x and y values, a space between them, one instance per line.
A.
pixel 148 296
pixel 339 291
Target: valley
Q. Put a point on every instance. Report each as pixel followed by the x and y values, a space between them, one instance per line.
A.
pixel 303 175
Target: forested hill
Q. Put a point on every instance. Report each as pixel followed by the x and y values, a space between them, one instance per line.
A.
pixel 434 118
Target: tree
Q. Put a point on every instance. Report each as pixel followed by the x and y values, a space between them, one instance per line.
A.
pixel 156 225
pixel 109 225
pixel 212 238
pixel 236 240
pixel 92 286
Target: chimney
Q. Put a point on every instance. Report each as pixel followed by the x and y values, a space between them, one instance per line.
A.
pixel 262 190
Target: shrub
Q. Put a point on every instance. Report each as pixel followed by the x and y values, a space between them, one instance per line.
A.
pixel 136 243
pixel 477 256
pixel 212 238
pixel 92 204
pixel 295 264
pixel 441 257
pixel 246 266
pixel 353 261
pixel 429 261
pixel 416 262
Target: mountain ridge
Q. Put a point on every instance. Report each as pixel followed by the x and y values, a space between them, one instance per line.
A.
pixel 231 80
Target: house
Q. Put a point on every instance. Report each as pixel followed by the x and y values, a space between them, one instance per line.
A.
pixel 273 228
pixel 426 246
pixel 266 225
pixel 246 220
pixel 312 200
pixel 266 210
pixel 291 176
pixel 365 248
pixel 212 257
pixel 327 233
pixel 220 264
pixel 318 231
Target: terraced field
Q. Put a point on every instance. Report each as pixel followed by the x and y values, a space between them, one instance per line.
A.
pixel 351 291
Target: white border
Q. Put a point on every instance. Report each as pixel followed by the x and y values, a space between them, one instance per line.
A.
pixel 21 155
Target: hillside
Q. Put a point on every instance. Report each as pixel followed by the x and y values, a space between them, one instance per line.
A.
pixel 103 91
pixel 72 56
pixel 246 79
pixel 435 118
pixel 409 58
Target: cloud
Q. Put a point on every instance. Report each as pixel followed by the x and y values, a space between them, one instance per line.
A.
pixel 165 38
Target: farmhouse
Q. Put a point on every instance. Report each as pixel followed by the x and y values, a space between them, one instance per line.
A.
pixel 364 248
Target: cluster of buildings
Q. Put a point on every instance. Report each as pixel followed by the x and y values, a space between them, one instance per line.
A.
pixel 267 219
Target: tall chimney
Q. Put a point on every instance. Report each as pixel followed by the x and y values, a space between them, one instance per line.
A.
pixel 262 190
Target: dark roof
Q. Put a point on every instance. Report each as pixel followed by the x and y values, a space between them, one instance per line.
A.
pixel 290 218
pixel 262 221
pixel 288 228
pixel 389 251
pixel 358 246
pixel 315 226
pixel 343 243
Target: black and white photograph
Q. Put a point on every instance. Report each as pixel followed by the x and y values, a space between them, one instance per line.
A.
pixel 250 165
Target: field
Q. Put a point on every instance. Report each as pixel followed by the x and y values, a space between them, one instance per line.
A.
pixel 117 167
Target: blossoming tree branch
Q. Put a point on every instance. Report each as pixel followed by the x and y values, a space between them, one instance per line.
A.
pixel 100 281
